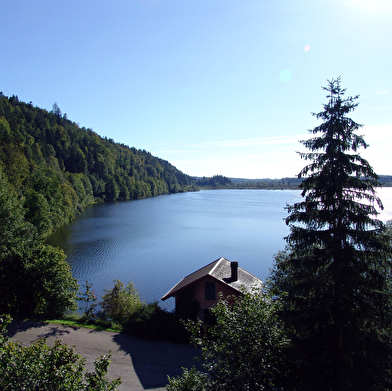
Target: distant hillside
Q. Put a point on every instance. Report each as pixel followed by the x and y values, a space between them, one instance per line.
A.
pixel 386 180
pixel 58 168
pixel 287 183
pixel 215 182
pixel 222 182
pixel 267 183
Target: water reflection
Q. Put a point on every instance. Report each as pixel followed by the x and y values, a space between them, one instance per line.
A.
pixel 155 242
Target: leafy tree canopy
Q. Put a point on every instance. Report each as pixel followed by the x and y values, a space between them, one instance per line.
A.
pixel 217 181
pixel 59 167
pixel 34 277
pixel 120 302
pixel 40 367
pixel 242 351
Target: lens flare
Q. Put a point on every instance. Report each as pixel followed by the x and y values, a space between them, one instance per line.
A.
pixel 307 48
pixel 285 75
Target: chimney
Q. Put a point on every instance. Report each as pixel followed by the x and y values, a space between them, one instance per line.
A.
pixel 234 271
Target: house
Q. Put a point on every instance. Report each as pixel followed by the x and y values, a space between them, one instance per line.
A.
pixel 199 291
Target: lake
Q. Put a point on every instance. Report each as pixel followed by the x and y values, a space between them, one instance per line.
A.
pixel 155 242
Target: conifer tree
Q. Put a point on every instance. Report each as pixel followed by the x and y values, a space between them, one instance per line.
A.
pixel 335 271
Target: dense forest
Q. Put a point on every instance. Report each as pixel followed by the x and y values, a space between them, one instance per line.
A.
pixel 287 183
pixel 215 182
pixel 50 169
pixel 222 182
pixel 284 183
pixel 58 168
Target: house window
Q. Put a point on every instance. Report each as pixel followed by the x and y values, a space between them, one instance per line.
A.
pixel 209 290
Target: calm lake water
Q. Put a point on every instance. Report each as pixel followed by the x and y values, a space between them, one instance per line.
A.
pixel 155 242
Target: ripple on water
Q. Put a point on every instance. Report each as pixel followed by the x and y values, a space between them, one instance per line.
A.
pixel 156 242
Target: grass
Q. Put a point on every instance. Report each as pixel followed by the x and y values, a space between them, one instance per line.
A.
pixel 148 322
pixel 81 321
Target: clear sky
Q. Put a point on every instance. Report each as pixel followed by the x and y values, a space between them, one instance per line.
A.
pixel 213 86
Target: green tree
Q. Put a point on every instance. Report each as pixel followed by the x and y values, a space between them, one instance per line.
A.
pixel 52 285
pixel 336 269
pixel 34 277
pixel 5 131
pixel 190 380
pixel 111 189
pixel 44 151
pixel 89 299
pixel 40 367
pixel 56 110
pixel 38 211
pixel 120 302
pixel 242 351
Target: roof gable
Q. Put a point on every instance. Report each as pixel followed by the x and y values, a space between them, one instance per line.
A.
pixel 221 271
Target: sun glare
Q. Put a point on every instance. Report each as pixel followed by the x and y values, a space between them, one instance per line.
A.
pixel 371 7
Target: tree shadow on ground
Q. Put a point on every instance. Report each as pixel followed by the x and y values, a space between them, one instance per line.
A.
pixel 154 361
pixel 20 326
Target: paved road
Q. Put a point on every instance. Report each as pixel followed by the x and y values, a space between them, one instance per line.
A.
pixel 141 364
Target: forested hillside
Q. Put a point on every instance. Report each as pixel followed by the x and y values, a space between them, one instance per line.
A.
pixel 215 182
pixel 57 167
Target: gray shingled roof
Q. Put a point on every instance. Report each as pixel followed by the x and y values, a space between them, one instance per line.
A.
pixel 221 271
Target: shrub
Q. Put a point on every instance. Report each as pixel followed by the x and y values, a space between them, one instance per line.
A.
pixel 152 322
pixel 120 302
pixel 89 299
pixel 40 367
pixel 243 350
pixel 190 380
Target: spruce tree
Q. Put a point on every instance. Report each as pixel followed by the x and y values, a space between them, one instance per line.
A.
pixel 335 271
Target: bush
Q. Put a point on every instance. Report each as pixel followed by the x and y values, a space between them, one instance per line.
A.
pixel 152 322
pixel 40 367
pixel 120 302
pixel 122 308
pixel 35 278
pixel 89 299
pixel 243 350
pixel 190 380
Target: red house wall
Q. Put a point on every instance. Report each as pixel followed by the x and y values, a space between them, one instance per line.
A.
pixel 199 289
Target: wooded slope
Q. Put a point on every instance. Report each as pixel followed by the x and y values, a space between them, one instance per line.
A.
pixel 58 168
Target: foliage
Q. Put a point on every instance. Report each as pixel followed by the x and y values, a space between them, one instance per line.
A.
pixel 122 309
pixel 59 167
pixel 190 380
pixel 75 320
pixel 120 302
pixel 34 277
pixel 50 169
pixel 90 299
pixel 217 181
pixel 40 367
pixel 242 350
pixel 54 289
pixel 150 321
pixel 265 184
pixel 270 184
pixel 336 269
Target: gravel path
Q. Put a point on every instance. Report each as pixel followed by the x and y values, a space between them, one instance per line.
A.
pixel 141 364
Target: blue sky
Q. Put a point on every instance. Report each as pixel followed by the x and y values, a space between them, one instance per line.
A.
pixel 213 86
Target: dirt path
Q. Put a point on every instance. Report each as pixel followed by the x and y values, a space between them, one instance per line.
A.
pixel 141 364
